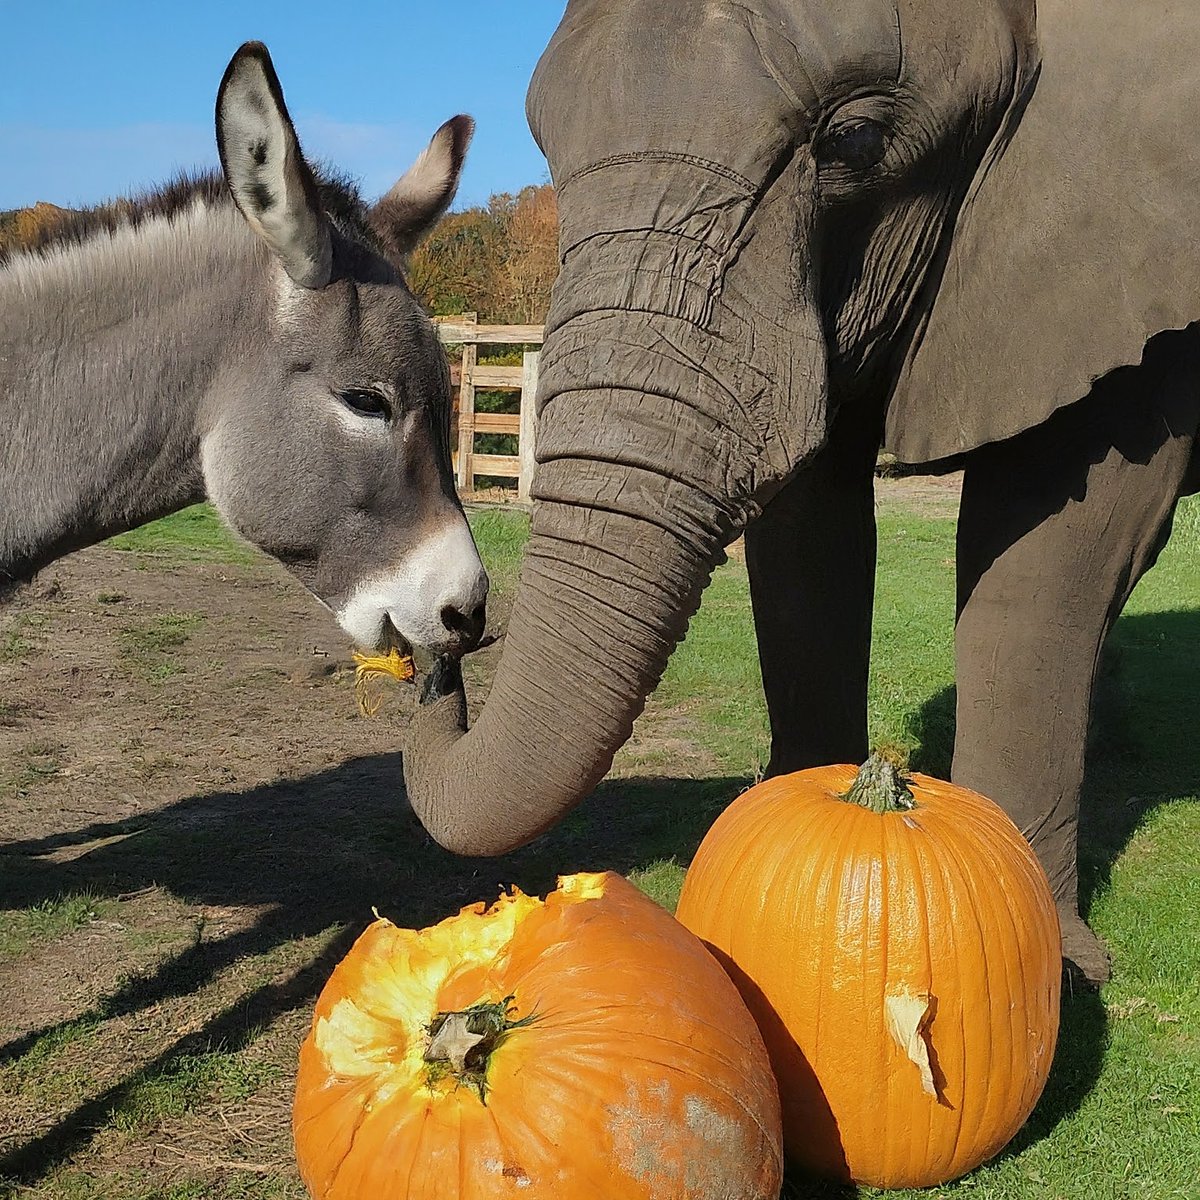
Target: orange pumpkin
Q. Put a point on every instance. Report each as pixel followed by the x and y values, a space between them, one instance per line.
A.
pixel 585 1045
pixel 898 944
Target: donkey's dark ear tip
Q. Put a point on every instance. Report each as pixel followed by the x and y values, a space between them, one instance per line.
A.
pixel 462 128
pixel 246 54
pixel 252 49
pixel 251 56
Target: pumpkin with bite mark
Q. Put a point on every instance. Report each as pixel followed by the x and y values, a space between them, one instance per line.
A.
pixel 584 1045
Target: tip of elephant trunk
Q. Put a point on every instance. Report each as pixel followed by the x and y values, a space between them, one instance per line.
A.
pixel 444 679
pixel 604 596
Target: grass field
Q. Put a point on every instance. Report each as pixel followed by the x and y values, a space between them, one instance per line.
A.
pixel 1120 1119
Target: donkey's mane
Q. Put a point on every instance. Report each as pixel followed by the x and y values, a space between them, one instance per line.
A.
pixel 339 197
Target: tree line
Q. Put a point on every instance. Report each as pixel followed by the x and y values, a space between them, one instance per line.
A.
pixel 498 260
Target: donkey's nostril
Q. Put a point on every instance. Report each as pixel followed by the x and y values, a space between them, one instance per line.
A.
pixel 453 620
pixel 469 626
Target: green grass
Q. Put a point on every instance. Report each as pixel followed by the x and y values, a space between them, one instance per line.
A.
pixel 186 1082
pixel 193 534
pixel 13 647
pixel 149 649
pixel 55 1066
pixel 500 536
pixel 912 654
pixel 47 920
pixel 141 1185
pixel 14 644
pixel 714 677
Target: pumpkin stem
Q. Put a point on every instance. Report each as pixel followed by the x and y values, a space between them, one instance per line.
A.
pixel 881 785
pixel 461 1043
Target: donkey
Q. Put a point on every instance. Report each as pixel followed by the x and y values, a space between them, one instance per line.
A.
pixel 247 337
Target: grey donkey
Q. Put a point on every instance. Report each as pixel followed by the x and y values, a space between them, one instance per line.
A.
pixel 247 336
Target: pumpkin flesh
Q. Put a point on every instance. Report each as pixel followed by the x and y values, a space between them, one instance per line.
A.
pixel 633 1069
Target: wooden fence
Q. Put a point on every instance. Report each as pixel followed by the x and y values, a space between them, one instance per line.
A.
pixel 466 331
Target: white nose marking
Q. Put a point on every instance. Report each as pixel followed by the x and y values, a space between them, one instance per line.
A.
pixel 465 584
pixel 443 572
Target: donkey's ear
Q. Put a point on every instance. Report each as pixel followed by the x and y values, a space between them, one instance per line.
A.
pixel 271 183
pixel 412 208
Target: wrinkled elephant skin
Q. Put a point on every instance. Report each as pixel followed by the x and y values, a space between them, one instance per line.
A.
pixel 788 231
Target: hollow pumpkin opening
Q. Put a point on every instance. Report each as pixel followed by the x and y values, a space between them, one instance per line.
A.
pixel 430 1011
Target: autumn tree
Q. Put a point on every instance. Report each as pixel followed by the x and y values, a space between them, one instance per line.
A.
pixel 453 269
pixel 21 227
pixel 498 260
pixel 529 263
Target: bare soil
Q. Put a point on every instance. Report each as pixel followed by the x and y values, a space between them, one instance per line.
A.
pixel 153 718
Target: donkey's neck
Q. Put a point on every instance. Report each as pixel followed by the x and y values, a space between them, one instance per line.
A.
pixel 107 351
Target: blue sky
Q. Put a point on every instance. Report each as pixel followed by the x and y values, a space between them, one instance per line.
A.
pixel 100 97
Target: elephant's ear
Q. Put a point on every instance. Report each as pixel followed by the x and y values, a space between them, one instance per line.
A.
pixel 1079 242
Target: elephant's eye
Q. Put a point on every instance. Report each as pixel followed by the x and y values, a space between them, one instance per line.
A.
pixel 366 403
pixel 858 145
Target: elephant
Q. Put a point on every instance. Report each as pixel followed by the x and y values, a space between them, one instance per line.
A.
pixel 792 231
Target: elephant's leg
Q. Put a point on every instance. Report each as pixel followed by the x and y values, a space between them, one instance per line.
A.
pixel 1056 527
pixel 811 559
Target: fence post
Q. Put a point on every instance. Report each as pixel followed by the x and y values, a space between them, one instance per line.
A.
pixel 466 412
pixel 526 438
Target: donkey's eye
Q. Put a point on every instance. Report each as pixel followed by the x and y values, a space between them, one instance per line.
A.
pixel 859 145
pixel 366 402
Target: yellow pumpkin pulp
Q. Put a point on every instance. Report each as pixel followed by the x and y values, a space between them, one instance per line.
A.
pixel 371 667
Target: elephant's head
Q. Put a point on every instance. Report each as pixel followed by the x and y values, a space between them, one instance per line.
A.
pixel 758 201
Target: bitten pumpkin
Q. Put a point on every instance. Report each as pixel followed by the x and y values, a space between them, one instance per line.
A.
pixel 582 1046
pixel 898 944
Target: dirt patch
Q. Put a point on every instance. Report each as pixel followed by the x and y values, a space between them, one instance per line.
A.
pixel 140 702
pixel 110 692
pixel 925 495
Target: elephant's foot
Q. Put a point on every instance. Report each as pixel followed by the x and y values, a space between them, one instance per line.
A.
pixel 1084 955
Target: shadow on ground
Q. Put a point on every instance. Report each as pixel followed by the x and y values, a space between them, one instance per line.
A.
pixel 315 853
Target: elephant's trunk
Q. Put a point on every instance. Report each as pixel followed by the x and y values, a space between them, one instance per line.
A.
pixel 588 640
pixel 618 555
pixel 678 389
